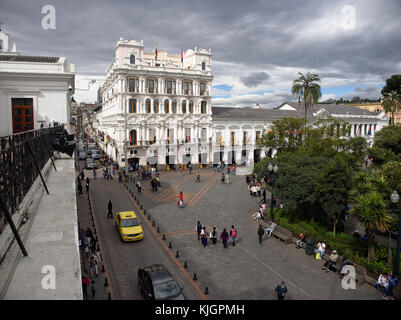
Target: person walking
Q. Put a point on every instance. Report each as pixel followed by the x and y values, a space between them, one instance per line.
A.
pixel 281 291
pixel 264 195
pixel 110 207
pixel 180 171
pixel 87 184
pixel 93 289
pixel 224 237
pixel 213 236
pixel 181 196
pixel 233 235
pixel 204 237
pixel 197 177
pixel 227 182
pixel 89 236
pixel 138 185
pixel 79 189
pixel 85 282
pixel 94 173
pixel 198 229
pixel 261 232
pixel 190 168
pixel 222 177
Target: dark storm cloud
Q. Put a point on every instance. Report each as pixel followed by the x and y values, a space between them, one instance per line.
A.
pixel 258 34
pixel 254 79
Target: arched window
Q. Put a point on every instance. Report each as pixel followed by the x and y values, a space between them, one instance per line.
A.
pixel 191 107
pixel 156 106
pixel 184 106
pixel 132 59
pixel 166 106
pixel 132 138
pixel 203 106
pixel 147 105
pixel 1 45
pixel 174 106
pixel 203 65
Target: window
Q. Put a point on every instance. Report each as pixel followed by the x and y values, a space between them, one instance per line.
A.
pixel 203 65
pixel 147 105
pixel 187 87
pixel 132 105
pixel 22 114
pixel 184 107
pixel 152 136
pixel 170 87
pixel 152 84
pixel 174 106
pixel 257 137
pixel 132 59
pixel 191 107
pixel 131 85
pixel 203 106
pixel 201 89
pixel 156 106
pixel 232 138
pixel 219 139
pixel 170 135
pixel 166 106
pixel 187 134
pixel 132 138
pixel 244 137
pixel 203 135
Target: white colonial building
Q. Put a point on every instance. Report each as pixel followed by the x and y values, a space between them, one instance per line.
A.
pixel 156 110
pixel 34 91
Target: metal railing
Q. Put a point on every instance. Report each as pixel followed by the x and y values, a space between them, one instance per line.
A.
pixel 22 157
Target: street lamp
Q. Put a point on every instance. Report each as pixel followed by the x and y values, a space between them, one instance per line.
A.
pixel 273 174
pixel 394 199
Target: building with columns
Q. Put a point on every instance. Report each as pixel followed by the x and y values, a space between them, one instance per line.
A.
pixel 156 110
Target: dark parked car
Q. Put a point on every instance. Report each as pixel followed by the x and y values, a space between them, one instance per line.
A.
pixel 156 283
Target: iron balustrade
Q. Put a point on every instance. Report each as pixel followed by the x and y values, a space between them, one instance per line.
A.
pixel 18 170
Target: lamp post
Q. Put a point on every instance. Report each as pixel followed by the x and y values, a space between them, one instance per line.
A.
pixel 273 175
pixel 394 199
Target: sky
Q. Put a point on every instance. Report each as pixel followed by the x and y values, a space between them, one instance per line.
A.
pixel 258 46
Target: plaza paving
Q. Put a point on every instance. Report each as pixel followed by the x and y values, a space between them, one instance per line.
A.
pixel 248 270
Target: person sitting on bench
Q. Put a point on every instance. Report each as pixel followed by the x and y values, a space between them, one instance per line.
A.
pixel 300 242
pixel 332 260
pixel 270 230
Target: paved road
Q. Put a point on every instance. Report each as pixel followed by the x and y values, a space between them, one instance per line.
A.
pixel 123 259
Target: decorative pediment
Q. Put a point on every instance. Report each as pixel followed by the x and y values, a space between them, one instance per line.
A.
pixel 322 114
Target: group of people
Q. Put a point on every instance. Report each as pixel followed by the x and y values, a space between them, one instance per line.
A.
pixel 80 180
pixel 107 173
pixel 387 282
pixel 90 249
pixel 155 182
pixel 224 235
pixel 180 200
pixel 268 231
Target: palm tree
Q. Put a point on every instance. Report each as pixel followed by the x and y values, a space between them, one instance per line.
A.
pixel 391 103
pixel 307 88
pixel 370 210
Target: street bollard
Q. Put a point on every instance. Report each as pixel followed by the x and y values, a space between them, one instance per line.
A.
pixel 195 277
pixel 109 297
pixel 206 292
pixel 164 237
pixel 103 268
pixel 169 245
pixel 106 284
pixel 177 254
pixel 148 217
pixel 144 212
pixel 141 207
pixel 158 230
pixel 185 265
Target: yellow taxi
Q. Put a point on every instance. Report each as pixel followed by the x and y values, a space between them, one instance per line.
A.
pixel 129 226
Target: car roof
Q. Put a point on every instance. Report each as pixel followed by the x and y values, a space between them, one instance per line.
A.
pixel 158 273
pixel 127 214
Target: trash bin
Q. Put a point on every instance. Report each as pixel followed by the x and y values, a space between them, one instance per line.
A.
pixel 310 247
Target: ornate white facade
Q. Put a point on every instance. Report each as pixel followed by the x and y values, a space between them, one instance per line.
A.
pixel 156 109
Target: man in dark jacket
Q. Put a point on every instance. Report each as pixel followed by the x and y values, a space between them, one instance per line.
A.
pixel 198 229
pixel 110 207
pixel 261 232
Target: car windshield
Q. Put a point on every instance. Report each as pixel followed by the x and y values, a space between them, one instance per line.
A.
pixel 166 289
pixel 131 222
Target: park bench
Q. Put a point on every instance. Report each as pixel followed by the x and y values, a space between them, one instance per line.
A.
pixel 279 232
pixel 282 234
